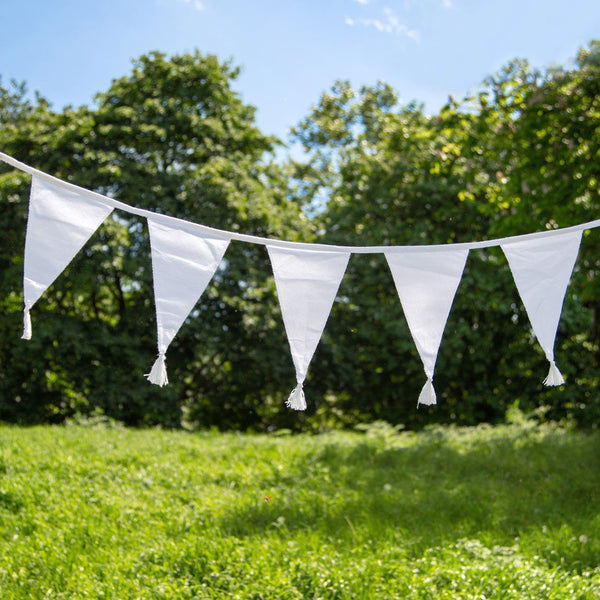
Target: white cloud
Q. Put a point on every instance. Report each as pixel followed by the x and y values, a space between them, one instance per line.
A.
pixel 410 5
pixel 363 1
pixel 197 4
pixel 388 24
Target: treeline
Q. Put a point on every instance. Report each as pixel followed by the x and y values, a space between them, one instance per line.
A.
pixel 521 155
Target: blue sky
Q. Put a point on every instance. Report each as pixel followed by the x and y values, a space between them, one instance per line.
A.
pixel 291 50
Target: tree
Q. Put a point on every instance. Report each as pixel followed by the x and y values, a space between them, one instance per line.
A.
pixel 534 142
pixel 171 137
pixel 394 176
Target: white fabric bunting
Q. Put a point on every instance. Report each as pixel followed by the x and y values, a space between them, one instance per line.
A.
pixel 426 283
pixel 182 266
pixel 60 222
pixel 185 256
pixel 542 269
pixel 307 283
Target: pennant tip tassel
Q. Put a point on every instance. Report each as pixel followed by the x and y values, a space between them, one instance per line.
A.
pixel 554 377
pixel 427 396
pixel 26 325
pixel 296 400
pixel 158 373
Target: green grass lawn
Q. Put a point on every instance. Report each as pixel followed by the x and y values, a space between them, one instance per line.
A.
pixel 506 512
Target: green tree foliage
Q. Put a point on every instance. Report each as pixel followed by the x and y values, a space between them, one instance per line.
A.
pixel 519 157
pixel 394 177
pixel 171 137
pixel 535 145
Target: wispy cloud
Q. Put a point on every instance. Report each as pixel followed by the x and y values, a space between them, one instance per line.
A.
pixel 411 5
pixel 197 4
pixel 363 1
pixel 389 23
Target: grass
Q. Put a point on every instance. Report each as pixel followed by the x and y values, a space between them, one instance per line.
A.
pixel 483 513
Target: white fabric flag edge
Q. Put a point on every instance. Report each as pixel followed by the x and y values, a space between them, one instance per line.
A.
pixel 183 264
pixel 307 282
pixel 59 223
pixel 426 284
pixel 543 297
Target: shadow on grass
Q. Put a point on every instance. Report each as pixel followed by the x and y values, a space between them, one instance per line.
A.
pixel 537 486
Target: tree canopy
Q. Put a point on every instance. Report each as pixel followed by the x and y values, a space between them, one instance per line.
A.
pixel 172 136
pixel 175 138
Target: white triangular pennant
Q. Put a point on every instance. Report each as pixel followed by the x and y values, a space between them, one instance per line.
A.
pixel 60 222
pixel 307 282
pixel 542 268
pixel 426 283
pixel 182 266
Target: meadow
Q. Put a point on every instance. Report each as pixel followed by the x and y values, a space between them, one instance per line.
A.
pixel 101 511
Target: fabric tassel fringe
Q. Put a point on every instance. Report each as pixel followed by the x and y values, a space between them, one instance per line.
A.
pixel 26 325
pixel 554 376
pixel 158 373
pixel 427 395
pixel 296 400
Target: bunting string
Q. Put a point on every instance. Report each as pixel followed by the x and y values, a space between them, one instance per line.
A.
pixel 253 239
pixel 185 256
